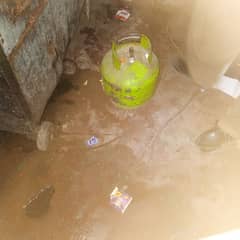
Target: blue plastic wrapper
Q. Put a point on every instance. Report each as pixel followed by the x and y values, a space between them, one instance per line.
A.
pixel 93 141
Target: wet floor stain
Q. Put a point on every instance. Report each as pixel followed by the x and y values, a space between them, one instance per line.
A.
pixel 40 203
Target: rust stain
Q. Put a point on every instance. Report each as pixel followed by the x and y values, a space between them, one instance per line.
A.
pixel 51 48
pixel 14 9
pixel 21 6
pixel 30 24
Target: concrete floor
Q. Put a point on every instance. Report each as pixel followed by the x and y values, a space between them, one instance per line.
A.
pixel 178 191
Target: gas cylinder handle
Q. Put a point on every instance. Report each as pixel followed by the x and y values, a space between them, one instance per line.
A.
pixel 142 39
pixel 134 37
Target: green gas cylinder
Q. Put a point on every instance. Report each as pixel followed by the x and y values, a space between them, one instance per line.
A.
pixel 130 71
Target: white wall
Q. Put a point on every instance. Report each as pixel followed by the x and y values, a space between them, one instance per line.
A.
pixel 213 38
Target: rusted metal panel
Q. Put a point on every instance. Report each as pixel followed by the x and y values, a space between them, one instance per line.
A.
pixel 11 99
pixel 34 35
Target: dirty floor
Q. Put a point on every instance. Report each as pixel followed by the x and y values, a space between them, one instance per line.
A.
pixel 179 192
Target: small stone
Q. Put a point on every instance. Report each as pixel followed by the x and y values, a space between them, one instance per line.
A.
pixel 64 126
pixel 85 83
pixel 69 67
pixel 83 61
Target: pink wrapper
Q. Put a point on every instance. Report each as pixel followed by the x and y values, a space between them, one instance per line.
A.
pixel 120 200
